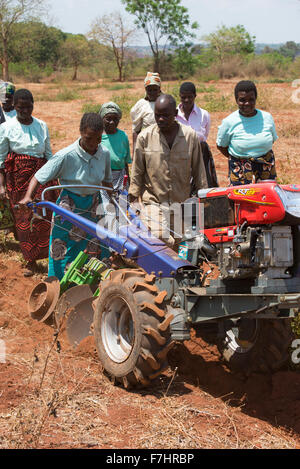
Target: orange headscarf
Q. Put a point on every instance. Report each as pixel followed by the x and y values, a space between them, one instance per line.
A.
pixel 152 79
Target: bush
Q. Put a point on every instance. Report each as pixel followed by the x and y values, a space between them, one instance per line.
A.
pixel 29 72
pixel 272 64
pixel 230 68
pixel 91 107
pixel 295 68
pixel 118 86
pixel 67 94
pixel 216 102
pixel 185 62
pixel 172 90
pixel 205 89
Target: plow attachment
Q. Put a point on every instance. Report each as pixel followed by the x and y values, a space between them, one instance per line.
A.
pixel 68 304
pixel 43 299
pixel 72 312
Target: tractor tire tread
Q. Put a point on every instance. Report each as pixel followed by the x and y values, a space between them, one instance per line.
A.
pixel 270 352
pixel 148 358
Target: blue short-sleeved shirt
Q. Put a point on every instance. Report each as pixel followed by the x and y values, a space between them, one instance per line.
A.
pixel 32 139
pixel 10 114
pixel 247 137
pixel 73 165
pixel 118 147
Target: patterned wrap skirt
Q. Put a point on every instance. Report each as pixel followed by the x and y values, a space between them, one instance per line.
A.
pixel 32 233
pixel 117 183
pixel 67 240
pixel 244 170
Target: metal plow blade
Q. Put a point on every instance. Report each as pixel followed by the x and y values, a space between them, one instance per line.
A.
pixel 43 299
pixel 79 321
pixel 76 305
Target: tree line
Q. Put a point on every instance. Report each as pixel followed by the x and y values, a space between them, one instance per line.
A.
pixel 29 45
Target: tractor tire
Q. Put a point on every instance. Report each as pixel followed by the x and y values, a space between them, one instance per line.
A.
pixel 132 328
pixel 256 346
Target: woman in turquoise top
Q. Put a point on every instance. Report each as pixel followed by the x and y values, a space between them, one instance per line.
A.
pixel 246 138
pixel 85 162
pixel 116 141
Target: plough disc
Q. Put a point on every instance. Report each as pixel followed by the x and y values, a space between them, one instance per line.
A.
pixel 79 321
pixel 43 299
pixel 70 299
pixel 76 306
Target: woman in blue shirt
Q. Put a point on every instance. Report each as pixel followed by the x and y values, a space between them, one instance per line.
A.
pixel 85 162
pixel 246 138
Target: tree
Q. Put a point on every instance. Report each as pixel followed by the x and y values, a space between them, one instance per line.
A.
pixel 111 30
pixel 267 50
pixel 185 62
pixel 75 52
pixel 34 42
pixel 230 41
pixel 12 12
pixel 290 49
pixel 164 21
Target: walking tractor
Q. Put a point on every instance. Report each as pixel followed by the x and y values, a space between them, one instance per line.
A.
pixel 137 311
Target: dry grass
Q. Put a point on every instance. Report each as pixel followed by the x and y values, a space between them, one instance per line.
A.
pixel 292 129
pixel 274 98
pixel 67 405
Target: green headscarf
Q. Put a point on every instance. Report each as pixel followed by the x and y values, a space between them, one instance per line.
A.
pixel 110 108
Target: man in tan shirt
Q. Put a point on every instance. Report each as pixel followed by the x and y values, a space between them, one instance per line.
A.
pixel 167 156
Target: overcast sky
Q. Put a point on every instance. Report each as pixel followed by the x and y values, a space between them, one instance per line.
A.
pixel 271 21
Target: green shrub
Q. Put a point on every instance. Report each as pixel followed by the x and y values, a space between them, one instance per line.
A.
pixel 276 80
pixel 118 86
pixel 67 94
pixel 216 102
pixel 29 72
pixel 87 87
pixel 126 102
pixel 205 89
pixel 44 97
pixel 172 90
pixel 91 106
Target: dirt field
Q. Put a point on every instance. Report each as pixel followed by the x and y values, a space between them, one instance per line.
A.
pixel 54 397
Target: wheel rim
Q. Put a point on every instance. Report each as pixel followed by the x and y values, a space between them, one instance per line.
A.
pixel 242 336
pixel 117 330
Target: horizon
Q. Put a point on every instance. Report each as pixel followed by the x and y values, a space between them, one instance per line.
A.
pixel 270 21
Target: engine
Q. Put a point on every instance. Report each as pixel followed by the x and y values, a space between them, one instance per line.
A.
pixel 255 251
pixel 247 231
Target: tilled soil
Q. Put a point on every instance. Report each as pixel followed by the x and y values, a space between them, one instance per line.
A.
pixel 53 396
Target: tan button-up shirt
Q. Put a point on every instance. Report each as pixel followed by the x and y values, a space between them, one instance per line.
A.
pixel 142 115
pixel 163 175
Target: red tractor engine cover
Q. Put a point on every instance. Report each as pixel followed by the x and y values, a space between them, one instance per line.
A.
pixel 222 209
